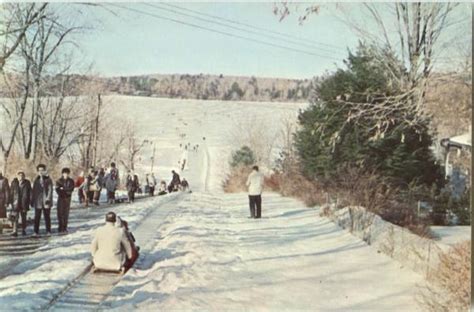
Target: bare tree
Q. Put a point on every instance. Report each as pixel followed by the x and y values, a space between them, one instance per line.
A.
pixel 89 140
pixel 288 155
pixel 15 20
pixel 133 146
pixel 418 28
pixel 60 120
pixel 258 135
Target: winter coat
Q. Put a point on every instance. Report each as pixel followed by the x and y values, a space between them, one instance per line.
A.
pixel 4 192
pixel 151 181
pixel 79 181
pixel 175 180
pixel 112 180
pixel 255 183
pixel 132 183
pixel 42 193
pixel 21 195
pixel 110 248
pixel 64 187
pixel 94 184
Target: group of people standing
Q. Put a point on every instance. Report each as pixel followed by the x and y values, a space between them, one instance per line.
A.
pixel 21 194
pixel 91 185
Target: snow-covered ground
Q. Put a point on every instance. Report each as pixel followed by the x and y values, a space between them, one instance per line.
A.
pixel 210 257
pixel 35 278
pixel 451 235
pixel 207 255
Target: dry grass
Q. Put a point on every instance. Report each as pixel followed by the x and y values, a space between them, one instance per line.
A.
pixel 449 287
pixel 288 185
pixel 235 182
pixel 296 185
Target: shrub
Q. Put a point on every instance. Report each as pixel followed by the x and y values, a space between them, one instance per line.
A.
pixel 242 157
pixel 331 135
pixel 296 185
pixel 449 287
pixel 235 181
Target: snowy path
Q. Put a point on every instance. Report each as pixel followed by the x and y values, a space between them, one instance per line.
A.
pixel 209 256
pixel 89 290
pixel 206 255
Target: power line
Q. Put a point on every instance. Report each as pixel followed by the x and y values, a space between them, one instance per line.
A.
pixel 286 35
pixel 312 46
pixel 221 32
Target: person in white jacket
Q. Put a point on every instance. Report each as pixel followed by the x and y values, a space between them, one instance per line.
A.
pixel 184 158
pixel 110 247
pixel 255 188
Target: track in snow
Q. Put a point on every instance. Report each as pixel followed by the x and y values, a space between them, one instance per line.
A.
pixel 89 290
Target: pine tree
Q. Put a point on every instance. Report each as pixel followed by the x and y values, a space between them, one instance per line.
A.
pixel 326 141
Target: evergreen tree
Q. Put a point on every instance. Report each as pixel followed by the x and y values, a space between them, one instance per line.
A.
pixel 327 141
pixel 242 157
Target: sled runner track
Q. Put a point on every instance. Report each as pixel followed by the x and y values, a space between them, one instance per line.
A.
pixel 88 290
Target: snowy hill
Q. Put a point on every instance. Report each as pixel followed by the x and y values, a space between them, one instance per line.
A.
pixel 200 251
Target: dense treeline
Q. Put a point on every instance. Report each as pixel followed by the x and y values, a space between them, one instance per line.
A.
pixel 204 87
pixel 209 87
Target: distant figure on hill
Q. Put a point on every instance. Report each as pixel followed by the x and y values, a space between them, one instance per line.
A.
pixel 112 183
pixel 162 190
pixel 184 185
pixel 151 182
pixel 255 188
pixel 175 182
pixel 132 185
pixel 184 158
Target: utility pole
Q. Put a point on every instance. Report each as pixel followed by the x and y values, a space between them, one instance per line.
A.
pixel 153 157
pixel 96 129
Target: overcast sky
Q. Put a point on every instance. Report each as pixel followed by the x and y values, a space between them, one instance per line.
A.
pixel 133 43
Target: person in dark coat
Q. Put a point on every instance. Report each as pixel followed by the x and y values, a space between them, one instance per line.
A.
pixel 184 185
pixel 42 198
pixel 4 195
pixel 112 182
pixel 20 198
pixel 175 182
pixel 132 185
pixel 64 189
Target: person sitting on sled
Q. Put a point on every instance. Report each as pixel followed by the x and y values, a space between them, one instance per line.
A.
pixel 124 225
pixel 110 247
pixel 163 188
pixel 184 185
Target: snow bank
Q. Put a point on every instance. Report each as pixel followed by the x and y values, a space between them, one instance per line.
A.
pixel 417 253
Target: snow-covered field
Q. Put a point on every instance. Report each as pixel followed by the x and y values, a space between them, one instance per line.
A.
pixel 163 121
pixel 451 235
pixel 207 255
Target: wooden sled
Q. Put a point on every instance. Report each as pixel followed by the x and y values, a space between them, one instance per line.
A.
pixel 101 271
